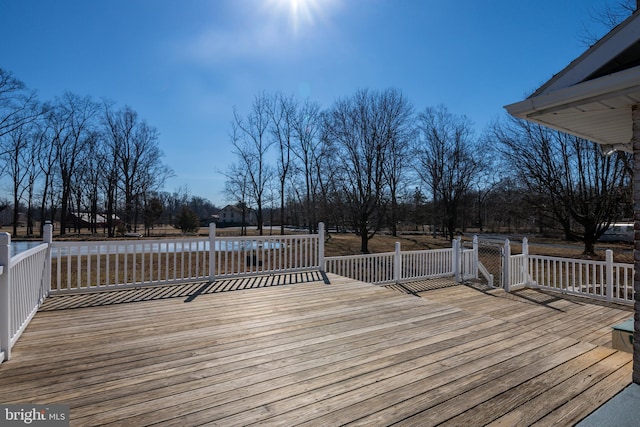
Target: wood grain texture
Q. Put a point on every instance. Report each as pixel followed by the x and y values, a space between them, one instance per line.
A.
pixel 307 349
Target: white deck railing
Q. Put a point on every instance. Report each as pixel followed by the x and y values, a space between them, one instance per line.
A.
pixel 428 264
pixel 250 256
pixel 605 280
pixel 378 269
pixel 106 265
pixel 24 284
pixel 402 267
pixel 66 267
pixel 470 261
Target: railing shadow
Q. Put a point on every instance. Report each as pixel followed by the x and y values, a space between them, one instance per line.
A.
pixel 189 291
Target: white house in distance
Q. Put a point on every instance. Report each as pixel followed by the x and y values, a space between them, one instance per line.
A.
pixel 597 97
pixel 231 215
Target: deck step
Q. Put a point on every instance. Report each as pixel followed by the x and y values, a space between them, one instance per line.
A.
pixel 622 336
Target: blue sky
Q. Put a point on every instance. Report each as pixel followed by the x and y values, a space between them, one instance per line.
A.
pixel 184 65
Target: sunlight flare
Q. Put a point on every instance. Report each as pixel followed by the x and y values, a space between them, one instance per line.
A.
pixel 302 13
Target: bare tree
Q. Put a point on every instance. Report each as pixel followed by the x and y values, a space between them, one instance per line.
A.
pixel 361 132
pixel 448 160
pixel 250 140
pixel 307 142
pixel 152 211
pixel 237 188
pixel 89 179
pixel 282 110
pixel 331 202
pixel 16 149
pixel 608 15
pixel 33 173
pixel 578 183
pixel 77 117
pixel 19 109
pixel 398 129
pixel 48 131
pixel 137 165
pixel 16 103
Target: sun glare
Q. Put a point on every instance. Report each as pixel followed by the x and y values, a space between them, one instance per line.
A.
pixel 303 13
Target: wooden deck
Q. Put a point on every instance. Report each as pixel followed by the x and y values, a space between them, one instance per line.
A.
pixel 245 351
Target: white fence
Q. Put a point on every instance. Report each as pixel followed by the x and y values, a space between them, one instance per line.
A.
pixel 99 266
pixel 24 284
pixel 250 256
pixel 605 280
pixel 68 267
pixel 402 267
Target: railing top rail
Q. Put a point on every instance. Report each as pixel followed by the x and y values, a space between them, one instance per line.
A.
pixel 430 251
pixel 623 264
pixel 270 237
pixel 29 252
pixel 360 256
pixel 67 243
pixel 563 259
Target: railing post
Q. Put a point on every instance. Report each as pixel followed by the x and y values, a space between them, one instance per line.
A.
pixel 525 255
pixel 321 265
pixel 212 252
pixel 506 266
pixel 5 296
pixel 476 256
pixel 608 256
pixel 455 260
pixel 397 264
pixel 47 237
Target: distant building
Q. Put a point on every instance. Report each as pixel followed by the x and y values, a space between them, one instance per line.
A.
pixel 6 217
pixel 84 219
pixel 204 222
pixel 231 216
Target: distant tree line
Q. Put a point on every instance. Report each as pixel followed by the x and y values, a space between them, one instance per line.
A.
pixel 78 161
pixel 367 164
pixel 371 163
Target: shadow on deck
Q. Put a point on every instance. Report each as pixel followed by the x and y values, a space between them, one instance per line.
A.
pixel 189 291
pixel 316 354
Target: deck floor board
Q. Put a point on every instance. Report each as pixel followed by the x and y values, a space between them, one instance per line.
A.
pixel 305 349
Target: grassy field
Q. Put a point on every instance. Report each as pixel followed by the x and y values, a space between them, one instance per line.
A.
pixel 349 244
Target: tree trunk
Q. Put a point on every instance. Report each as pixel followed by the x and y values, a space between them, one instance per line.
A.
pixel 282 184
pixel 364 238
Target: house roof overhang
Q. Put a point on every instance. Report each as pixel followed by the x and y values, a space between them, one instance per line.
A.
pixel 592 97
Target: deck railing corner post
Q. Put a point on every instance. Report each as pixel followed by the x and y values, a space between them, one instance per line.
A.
pixel 476 256
pixel 525 262
pixel 455 259
pixel 321 231
pixel 47 234
pixel 212 252
pixel 5 296
pixel 609 274
pixel 47 237
pixel 397 263
pixel 506 266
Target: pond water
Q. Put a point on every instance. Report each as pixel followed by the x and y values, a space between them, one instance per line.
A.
pixel 21 246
